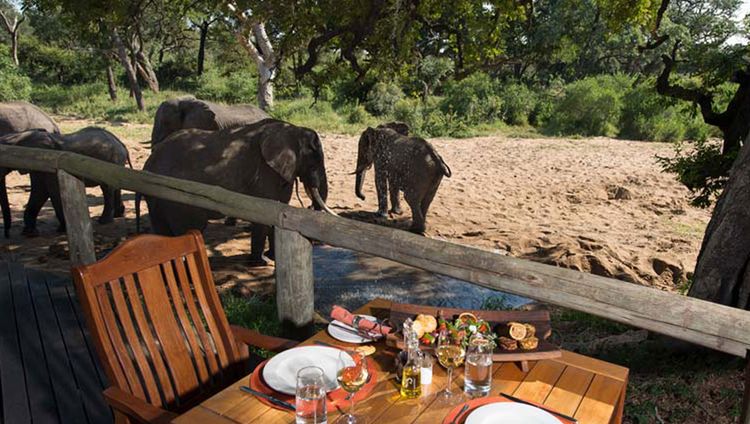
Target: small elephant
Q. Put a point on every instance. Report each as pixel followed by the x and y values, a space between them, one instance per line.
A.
pixel 408 164
pixel 94 142
pixel 263 160
pixel 22 116
pixel 189 112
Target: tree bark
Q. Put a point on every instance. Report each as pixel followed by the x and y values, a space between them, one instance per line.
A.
pixel 122 54
pixel 146 71
pixel 12 30
pixel 722 274
pixel 111 84
pixel 203 27
pixel 265 57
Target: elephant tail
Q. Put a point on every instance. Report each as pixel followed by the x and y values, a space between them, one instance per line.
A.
pixel 443 166
pixel 138 212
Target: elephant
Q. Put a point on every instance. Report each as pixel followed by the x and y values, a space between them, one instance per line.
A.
pixel 94 142
pixel 262 159
pixel 408 164
pixel 23 116
pixel 189 112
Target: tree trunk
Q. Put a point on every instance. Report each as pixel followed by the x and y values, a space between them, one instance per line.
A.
pixel 12 30
pixel 14 47
pixel 265 87
pixel 264 57
pixel 722 274
pixel 202 46
pixel 146 71
pixel 111 85
pixel 122 54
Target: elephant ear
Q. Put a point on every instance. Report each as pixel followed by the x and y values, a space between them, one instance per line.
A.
pixel 281 155
pixel 201 111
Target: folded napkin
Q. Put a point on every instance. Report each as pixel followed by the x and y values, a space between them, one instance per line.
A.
pixel 341 314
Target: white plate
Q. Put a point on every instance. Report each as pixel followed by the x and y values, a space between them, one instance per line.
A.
pixel 345 336
pixel 280 372
pixel 510 413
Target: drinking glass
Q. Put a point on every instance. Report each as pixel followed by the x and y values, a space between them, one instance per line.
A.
pixel 478 367
pixel 450 353
pixel 310 397
pixel 352 378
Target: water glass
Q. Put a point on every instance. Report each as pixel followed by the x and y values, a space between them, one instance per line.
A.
pixel 478 367
pixel 310 397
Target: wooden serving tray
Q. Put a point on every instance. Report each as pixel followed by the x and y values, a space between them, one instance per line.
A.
pixel 497 319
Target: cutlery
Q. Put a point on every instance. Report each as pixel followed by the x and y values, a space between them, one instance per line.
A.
pixel 271 399
pixel 515 399
pixel 370 336
pixel 461 412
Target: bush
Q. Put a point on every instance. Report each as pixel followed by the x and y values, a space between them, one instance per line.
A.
pixel 51 64
pixel 382 98
pixel 358 115
pixel 590 107
pixel 410 112
pixel 646 115
pixel 473 99
pixel 518 104
pixel 13 84
pixel 237 87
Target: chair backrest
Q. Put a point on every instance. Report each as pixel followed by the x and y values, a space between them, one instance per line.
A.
pixel 157 321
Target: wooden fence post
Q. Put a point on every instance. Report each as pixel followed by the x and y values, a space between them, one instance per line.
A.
pixel 294 283
pixel 78 224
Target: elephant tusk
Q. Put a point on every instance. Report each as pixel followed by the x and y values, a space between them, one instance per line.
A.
pixel 316 197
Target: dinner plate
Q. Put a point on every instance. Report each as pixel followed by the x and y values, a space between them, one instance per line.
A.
pixel 280 372
pixel 510 413
pixel 345 336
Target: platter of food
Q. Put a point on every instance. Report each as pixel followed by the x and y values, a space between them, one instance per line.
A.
pixel 517 335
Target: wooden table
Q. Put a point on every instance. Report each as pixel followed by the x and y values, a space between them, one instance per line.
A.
pixel 591 390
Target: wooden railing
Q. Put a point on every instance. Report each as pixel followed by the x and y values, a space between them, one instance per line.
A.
pixel 704 323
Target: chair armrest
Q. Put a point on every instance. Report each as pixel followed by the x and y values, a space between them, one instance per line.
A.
pixel 135 408
pixel 254 338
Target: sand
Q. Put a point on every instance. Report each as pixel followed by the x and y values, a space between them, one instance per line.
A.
pixel 597 205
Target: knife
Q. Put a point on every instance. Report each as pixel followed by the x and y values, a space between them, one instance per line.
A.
pixel 515 399
pixel 271 399
pixel 461 412
pixel 367 335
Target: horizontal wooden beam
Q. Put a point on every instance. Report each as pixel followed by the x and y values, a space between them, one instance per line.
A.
pixel 708 324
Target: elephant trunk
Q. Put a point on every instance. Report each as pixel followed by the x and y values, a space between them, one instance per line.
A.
pixel 5 205
pixel 318 202
pixel 359 183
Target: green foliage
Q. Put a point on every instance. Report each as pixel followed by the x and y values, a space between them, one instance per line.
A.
pixel 648 116
pixel 382 98
pixel 48 63
pixel 255 313
pixel 703 169
pixel 321 116
pixel 473 99
pixel 518 104
pixel 238 87
pixel 13 84
pixel 590 107
pixel 358 115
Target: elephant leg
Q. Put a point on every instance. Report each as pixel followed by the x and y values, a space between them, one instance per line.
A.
pixel 53 188
pixel 257 244
pixel 119 205
pixel 37 198
pixel 395 201
pixel 108 214
pixel 429 197
pixel 381 186
pixel 271 252
pixel 417 218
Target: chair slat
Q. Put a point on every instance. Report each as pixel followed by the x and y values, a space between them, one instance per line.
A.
pixel 226 356
pixel 148 338
pixel 121 351
pixel 196 317
pixel 167 331
pixel 136 347
pixel 188 328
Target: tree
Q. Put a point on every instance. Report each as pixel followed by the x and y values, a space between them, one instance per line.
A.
pixel 12 27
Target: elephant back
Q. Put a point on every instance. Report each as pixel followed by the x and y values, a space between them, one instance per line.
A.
pixel 23 116
pixel 97 143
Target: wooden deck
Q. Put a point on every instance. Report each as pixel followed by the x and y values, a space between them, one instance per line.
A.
pixel 49 372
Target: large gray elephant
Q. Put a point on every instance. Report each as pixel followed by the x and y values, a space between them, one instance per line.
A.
pixel 189 112
pixel 262 159
pixel 408 164
pixel 23 116
pixel 95 142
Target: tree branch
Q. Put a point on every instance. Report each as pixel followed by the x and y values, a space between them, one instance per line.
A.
pixel 6 23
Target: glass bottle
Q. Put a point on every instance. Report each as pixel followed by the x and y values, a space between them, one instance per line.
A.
pixel 411 376
pixel 411 343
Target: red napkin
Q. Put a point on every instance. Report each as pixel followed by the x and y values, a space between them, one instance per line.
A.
pixel 341 314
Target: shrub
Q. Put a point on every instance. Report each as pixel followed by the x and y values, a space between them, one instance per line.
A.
pixel 358 115
pixel 590 107
pixel 646 115
pixel 410 112
pixel 13 84
pixel 382 98
pixel 52 64
pixel 518 104
pixel 237 87
pixel 473 99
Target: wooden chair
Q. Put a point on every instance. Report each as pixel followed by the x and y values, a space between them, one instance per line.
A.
pixel 159 328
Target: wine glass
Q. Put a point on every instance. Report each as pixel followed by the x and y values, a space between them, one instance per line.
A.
pixel 450 353
pixel 352 375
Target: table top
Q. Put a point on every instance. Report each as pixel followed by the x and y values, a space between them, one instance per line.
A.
pixel 591 390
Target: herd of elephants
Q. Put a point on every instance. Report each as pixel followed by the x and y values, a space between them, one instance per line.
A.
pixel 239 148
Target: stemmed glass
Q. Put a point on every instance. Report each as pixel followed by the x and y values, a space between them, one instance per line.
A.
pixel 351 378
pixel 450 353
